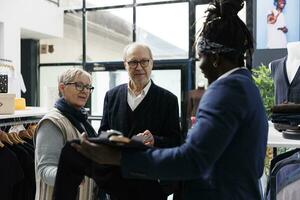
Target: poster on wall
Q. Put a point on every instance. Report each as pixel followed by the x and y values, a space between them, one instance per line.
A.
pixel 277 23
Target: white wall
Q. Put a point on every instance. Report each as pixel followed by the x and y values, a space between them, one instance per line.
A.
pixel 40 16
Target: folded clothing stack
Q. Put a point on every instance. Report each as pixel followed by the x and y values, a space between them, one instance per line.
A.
pixel 286 118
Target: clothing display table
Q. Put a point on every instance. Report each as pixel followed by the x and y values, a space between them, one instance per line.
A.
pixel 275 139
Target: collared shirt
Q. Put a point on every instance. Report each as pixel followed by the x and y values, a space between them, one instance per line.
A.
pixel 230 72
pixel 133 100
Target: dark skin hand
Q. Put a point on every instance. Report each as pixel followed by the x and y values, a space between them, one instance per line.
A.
pixel 101 154
pixel 283 29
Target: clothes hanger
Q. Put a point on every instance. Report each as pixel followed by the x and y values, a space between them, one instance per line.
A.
pixel 4 63
pixel 15 134
pixel 5 138
pixel 12 138
pixel 23 133
pixel 31 129
pixel 1 145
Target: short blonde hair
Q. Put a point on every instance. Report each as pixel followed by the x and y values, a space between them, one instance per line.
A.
pixel 136 44
pixel 70 75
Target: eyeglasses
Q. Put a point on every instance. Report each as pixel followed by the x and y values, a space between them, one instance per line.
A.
pixel 80 86
pixel 134 63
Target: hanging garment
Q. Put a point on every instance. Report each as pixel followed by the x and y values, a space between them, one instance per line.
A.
pixel 11 173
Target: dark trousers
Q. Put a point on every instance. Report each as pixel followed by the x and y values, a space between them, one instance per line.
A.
pixel 73 167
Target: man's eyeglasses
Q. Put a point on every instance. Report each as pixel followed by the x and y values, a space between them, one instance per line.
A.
pixel 80 86
pixel 134 63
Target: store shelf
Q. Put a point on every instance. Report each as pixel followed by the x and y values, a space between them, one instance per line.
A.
pixel 275 139
pixel 28 112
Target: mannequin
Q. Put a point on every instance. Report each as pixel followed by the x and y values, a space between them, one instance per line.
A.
pixel 286 75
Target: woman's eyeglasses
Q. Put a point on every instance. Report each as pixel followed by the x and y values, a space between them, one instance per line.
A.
pixel 80 86
pixel 134 63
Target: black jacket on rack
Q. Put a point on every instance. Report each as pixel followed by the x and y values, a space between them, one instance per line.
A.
pixel 25 189
pixel 11 173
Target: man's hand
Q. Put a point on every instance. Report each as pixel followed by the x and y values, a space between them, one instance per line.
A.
pixel 101 154
pixel 148 138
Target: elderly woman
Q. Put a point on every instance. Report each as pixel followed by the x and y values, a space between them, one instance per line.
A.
pixel 66 121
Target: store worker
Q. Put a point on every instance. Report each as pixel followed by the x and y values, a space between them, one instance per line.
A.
pixel 137 107
pixel 66 121
pixel 223 155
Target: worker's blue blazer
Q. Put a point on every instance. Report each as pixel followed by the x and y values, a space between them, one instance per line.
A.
pixel 223 155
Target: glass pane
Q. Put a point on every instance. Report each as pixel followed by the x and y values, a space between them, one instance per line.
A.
pixel 102 3
pixel 200 79
pixel 68 48
pixel 96 124
pixel 200 18
pixel 166 34
pixel 147 1
pixel 172 83
pixel 108 32
pixel 49 84
pixel 103 81
pixel 70 4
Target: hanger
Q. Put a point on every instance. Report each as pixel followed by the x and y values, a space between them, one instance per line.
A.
pixel 31 129
pixel 14 130
pixel 6 64
pixel 4 138
pixel 12 138
pixel 9 136
pixel 24 134
pixel 16 136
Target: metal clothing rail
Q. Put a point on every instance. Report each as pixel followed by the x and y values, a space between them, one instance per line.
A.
pixel 17 121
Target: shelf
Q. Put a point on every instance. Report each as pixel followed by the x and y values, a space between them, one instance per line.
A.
pixel 28 112
pixel 275 139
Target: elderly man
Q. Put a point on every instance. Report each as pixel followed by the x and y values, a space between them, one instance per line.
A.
pixel 141 105
pixel 137 108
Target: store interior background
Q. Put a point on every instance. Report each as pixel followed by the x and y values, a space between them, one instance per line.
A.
pixel 44 37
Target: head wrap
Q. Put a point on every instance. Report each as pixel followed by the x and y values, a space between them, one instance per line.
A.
pixel 207 46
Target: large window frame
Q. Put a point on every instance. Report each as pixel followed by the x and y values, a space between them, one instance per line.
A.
pixel 186 66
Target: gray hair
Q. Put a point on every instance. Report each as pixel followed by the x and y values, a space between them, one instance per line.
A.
pixel 136 44
pixel 70 75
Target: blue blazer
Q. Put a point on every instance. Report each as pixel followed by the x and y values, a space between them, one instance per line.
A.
pixel 223 155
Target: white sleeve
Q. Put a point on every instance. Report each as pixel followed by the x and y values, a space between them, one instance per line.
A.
pixel 49 143
pixel 22 84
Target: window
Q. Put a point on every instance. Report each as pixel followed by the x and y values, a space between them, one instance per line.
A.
pixel 165 32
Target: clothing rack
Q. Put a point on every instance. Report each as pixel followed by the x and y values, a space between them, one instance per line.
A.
pixel 6 64
pixel 21 121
